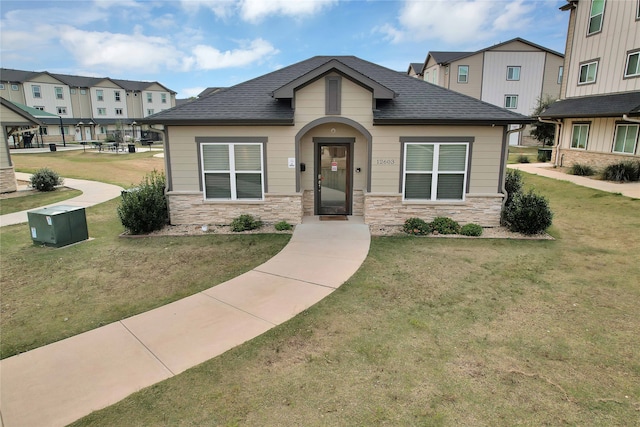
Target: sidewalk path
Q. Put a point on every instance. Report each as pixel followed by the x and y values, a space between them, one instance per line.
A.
pixel 629 189
pixel 56 384
pixel 93 193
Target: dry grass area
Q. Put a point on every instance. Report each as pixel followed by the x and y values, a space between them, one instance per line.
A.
pixel 30 199
pixel 443 332
pixel 126 169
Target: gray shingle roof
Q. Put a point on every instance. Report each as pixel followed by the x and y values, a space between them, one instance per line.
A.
pixel 416 101
pixel 610 105
pixel 416 66
pixel 447 57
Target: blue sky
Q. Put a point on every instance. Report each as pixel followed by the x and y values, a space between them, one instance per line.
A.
pixel 189 45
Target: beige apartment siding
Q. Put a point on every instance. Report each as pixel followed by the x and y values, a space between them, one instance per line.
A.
pixel 108 90
pixel 81 103
pixel 600 139
pixel 516 46
pixel 45 78
pixel 620 34
pixel 48 98
pixel 495 84
pixel 550 86
pixel 13 95
pixel 387 161
pixel 568 52
pixel 474 87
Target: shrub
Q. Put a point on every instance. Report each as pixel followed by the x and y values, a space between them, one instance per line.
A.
pixel 144 208
pixel 444 225
pixel 522 158
pixel 45 180
pixel 283 226
pixel 542 156
pixel 622 172
pixel 528 213
pixel 245 222
pixel 512 184
pixel 471 230
pixel 416 226
pixel 581 170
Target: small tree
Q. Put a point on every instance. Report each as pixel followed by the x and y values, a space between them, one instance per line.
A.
pixel 543 132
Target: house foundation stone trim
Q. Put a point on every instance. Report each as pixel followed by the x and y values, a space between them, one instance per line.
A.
pixel 190 208
pixel 8 182
pixel 389 209
pixel 594 159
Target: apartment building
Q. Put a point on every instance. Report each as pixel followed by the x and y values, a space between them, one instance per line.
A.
pixel 87 108
pixel 598 115
pixel 513 75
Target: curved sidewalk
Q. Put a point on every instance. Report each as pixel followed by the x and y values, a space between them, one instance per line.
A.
pixel 61 382
pixel 93 193
pixel 629 189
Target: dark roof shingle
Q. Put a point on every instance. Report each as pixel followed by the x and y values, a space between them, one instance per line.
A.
pixel 610 105
pixel 416 101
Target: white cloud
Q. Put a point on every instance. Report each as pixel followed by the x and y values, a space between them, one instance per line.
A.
pixel 455 21
pixel 190 91
pixel 256 10
pixel 210 58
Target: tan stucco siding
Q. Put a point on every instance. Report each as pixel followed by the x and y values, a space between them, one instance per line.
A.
pixel 474 86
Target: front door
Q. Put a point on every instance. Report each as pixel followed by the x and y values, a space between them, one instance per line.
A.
pixel 333 174
pixel 87 134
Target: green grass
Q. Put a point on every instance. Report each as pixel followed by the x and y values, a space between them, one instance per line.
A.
pixel 440 332
pixel 516 152
pixel 34 199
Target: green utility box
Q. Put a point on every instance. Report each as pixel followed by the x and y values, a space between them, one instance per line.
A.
pixel 58 226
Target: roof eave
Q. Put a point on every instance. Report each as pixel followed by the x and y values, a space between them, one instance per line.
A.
pixel 218 122
pixel 460 122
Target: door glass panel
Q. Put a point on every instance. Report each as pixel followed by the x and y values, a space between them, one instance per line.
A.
pixel 333 178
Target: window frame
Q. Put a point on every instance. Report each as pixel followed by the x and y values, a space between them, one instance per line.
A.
pixel 59 92
pixel 586 140
pixel 38 91
pixel 150 111
pixel 116 95
pixel 163 98
pixel 2 86
pixel 560 74
pixel 437 143
pixel 232 142
pixel 100 95
pixel 119 112
pixel 514 67
pixel 39 107
pixel 626 64
pixel 638 10
pixel 102 111
pixel 511 96
pixel 15 87
pixel 62 111
pixel 460 68
pixel 592 16
pixel 150 97
pixel 635 141
pixel 83 91
pixel 587 64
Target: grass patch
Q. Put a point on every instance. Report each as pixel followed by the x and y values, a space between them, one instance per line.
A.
pixel 443 332
pixel 516 154
pixel 23 200
pixel 125 170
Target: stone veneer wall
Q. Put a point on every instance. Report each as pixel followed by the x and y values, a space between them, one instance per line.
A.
pixel 592 158
pixel 308 203
pixel 190 208
pixel 389 209
pixel 8 182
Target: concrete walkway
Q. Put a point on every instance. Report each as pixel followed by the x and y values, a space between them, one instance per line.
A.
pixel 93 193
pixel 629 189
pixel 61 382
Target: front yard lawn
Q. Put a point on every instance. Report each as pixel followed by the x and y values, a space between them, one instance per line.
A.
pixel 21 201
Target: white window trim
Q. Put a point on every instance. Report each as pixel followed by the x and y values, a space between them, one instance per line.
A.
pixel 465 75
pixel 150 97
pixel 2 86
pixel 33 91
pixel 626 64
pixel 434 172
pixel 15 87
pixel 514 67
pixel 102 111
pixel 635 142
pixel 100 95
pixel 587 64
pixel 61 92
pixel 560 74
pixel 511 96
pixel 163 98
pixel 120 113
pixel 591 16
pixel 586 140
pixel 116 96
pixel 232 172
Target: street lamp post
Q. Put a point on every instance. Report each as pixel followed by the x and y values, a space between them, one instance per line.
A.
pixel 64 143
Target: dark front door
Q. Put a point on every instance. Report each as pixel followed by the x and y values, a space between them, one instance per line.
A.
pixel 333 174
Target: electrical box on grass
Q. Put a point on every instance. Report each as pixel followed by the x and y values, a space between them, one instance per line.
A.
pixel 58 226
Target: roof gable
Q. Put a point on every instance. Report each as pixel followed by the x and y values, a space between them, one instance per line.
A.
pixel 379 91
pixel 23 111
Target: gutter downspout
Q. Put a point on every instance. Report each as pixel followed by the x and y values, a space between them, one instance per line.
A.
pixel 556 143
pixel 629 119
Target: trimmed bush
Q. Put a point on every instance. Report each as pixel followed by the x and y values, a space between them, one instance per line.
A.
pixel 471 230
pixel 46 180
pixel 528 213
pixel 542 157
pixel 523 159
pixel 144 208
pixel 628 171
pixel 582 170
pixel 245 222
pixel 512 184
pixel 283 226
pixel 416 226
pixel 444 225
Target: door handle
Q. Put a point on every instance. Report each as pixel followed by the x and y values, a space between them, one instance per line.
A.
pixel 319 182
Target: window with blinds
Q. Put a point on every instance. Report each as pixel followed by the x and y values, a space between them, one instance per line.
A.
pixel 435 171
pixel 232 171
